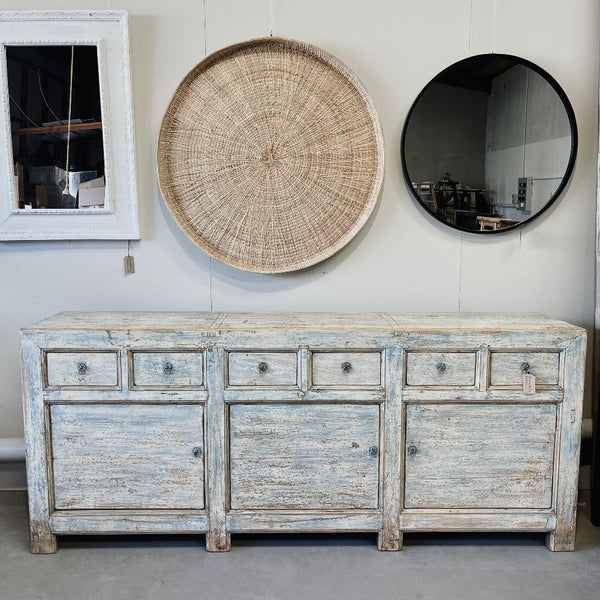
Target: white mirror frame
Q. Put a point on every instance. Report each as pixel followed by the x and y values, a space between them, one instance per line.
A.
pixel 109 32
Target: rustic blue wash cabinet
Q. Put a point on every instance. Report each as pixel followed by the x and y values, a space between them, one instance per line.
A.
pixel 292 422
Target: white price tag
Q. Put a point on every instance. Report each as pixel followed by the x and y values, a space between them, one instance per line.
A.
pixel 528 383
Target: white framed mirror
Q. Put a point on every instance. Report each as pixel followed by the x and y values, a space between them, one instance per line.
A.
pixel 67 160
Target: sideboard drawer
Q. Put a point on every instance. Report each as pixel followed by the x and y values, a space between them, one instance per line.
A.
pixel 167 369
pixel 346 368
pixel 127 456
pixel 262 369
pixel 507 368
pixel 440 368
pixel 85 369
pixel 304 457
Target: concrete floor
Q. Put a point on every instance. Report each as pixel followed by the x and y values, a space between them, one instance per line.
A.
pixel 431 567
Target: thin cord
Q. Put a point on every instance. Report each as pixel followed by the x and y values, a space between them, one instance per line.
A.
pixel 69 119
pixel 23 112
pixel 46 101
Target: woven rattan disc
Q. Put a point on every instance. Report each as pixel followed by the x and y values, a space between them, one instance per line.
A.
pixel 270 155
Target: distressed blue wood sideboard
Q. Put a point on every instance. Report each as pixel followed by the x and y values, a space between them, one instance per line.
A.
pixel 219 423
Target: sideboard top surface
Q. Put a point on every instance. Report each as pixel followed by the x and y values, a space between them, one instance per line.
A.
pixel 382 322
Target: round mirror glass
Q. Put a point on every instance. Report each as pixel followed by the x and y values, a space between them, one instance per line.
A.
pixel 489 143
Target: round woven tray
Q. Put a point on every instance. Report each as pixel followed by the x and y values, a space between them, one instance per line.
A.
pixel 270 155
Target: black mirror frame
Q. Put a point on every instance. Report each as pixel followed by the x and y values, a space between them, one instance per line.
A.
pixel 572 156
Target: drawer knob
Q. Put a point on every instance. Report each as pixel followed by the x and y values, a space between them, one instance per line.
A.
pixel 168 368
pixel 346 367
pixel 411 450
pixel 441 368
pixel 82 368
pixel 525 368
pixel 373 450
pixel 197 451
pixel 263 367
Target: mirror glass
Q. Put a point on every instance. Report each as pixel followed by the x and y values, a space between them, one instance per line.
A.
pixel 489 143
pixel 56 127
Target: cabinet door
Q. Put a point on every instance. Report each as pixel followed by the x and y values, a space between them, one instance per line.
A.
pixel 461 456
pixel 127 456
pixel 303 457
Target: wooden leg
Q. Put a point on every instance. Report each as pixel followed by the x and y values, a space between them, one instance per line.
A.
pixel 561 541
pixel 389 541
pixel 218 541
pixel 42 541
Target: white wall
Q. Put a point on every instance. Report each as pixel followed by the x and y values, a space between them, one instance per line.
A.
pixel 402 259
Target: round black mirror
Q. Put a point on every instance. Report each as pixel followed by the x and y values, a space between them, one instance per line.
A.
pixel 489 143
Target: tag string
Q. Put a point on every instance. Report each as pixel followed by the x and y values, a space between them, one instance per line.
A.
pixel 69 119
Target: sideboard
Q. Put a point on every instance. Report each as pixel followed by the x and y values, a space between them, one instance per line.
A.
pixel 220 423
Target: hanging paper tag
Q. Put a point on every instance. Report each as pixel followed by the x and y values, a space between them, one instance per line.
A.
pixel 528 383
pixel 129 264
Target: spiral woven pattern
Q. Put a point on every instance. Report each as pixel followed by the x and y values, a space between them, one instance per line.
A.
pixel 270 155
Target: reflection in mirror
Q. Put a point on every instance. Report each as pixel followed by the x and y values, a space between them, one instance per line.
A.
pixel 56 126
pixel 489 143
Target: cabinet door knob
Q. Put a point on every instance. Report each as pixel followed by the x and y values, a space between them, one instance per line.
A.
pixel 441 368
pixel 373 450
pixel 346 367
pixel 168 368
pixel 82 368
pixel 263 367
pixel 197 451
pixel 525 368
pixel 411 450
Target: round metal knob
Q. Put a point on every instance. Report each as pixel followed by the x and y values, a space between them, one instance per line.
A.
pixel 441 368
pixel 197 451
pixel 525 367
pixel 411 450
pixel 373 450
pixel 82 368
pixel 263 367
pixel 346 367
pixel 168 368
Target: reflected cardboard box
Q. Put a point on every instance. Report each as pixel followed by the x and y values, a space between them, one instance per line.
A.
pixel 91 193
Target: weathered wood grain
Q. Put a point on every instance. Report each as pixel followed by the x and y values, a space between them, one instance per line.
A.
pixel 304 457
pixel 306 521
pixel 507 368
pixel 42 539
pixel 279 453
pixel 390 536
pixel 504 396
pixel 440 368
pixel 479 457
pixel 477 521
pixel 562 538
pixel 108 457
pixel 119 521
pixel 430 323
pixel 89 369
pixel 218 538
pixel 167 369
pixel 346 368
pixel 262 368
